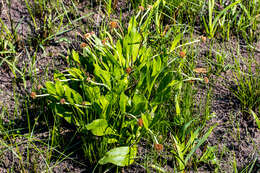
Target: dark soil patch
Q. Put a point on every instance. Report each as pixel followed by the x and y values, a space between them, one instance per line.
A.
pixel 235 136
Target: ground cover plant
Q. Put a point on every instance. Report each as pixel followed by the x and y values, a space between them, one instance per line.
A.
pixel 129 86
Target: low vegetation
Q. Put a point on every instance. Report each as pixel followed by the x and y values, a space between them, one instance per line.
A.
pixel 129 86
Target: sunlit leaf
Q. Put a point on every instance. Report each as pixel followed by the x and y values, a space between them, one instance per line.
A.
pixel 145 120
pixel 121 156
pixel 123 102
pixel 99 127
pixel 72 96
pixel 75 56
pixel 50 88
pixel 175 42
pixel 256 118
pixel 103 75
pixel 59 88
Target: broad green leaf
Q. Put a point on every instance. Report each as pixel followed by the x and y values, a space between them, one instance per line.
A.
pixel 166 80
pixel 205 24
pixel 148 78
pixel 50 88
pixel 72 96
pixel 104 103
pixel 126 50
pixel 111 57
pixel 76 97
pixel 119 54
pixel 158 168
pixel 145 54
pixel 193 136
pixel 76 73
pixel 62 112
pixel 175 42
pixel 123 102
pixel 142 76
pixel 75 56
pixel 59 76
pixel 185 128
pixel 131 43
pixel 99 127
pixel 140 104
pixel 120 156
pixel 68 95
pixel 145 121
pixel 132 25
pixel 134 46
pixel 156 65
pixel 121 85
pixel 92 93
pixel 103 75
pixel 152 83
pixel 59 88
pixel 161 97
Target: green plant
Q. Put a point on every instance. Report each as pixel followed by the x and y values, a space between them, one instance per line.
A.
pixel 218 63
pixel 256 118
pixel 184 148
pixel 212 24
pixel 247 87
pixel 111 92
pixel 109 6
pixel 184 12
pixel 127 87
pixel 248 21
pixel 7 46
pixel 47 20
pixel 8 35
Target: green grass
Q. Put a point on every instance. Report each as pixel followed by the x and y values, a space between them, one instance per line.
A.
pixel 146 79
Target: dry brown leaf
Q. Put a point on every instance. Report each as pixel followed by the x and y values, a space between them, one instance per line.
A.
pixel 200 70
